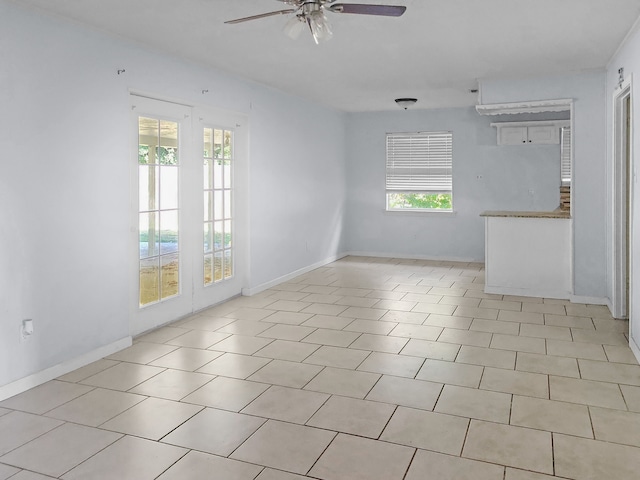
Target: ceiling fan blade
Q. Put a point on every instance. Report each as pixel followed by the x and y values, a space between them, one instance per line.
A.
pixel 366 9
pixel 262 15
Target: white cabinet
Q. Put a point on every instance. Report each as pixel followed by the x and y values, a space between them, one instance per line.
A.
pixel 528 256
pixel 512 135
pixel 543 134
pixel 529 133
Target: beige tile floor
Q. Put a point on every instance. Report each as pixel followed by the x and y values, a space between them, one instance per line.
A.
pixel 363 369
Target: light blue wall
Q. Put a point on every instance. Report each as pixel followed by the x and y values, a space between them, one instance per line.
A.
pixel 485 177
pixel 589 207
pixel 316 180
pixel 64 187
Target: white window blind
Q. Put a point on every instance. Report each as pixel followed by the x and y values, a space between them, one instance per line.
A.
pixel 419 162
pixel 565 156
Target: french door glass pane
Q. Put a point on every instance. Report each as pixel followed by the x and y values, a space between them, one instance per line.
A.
pixel 170 275
pixel 217 269
pixel 218 211
pixel 218 173
pixel 208 237
pixel 227 175
pixel 158 199
pixel 148 140
pixel 208 173
pixel 169 187
pixel 168 232
pixel 227 234
pixel 149 281
pixel 168 151
pixel 149 234
pixel 217 143
pixel 217 205
pixel 208 143
pixel 148 187
pixel 208 269
pixel 208 205
pixel 218 234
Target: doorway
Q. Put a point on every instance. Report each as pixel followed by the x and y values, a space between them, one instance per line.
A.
pixel 623 194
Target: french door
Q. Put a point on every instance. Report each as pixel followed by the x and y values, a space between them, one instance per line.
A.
pixel 189 218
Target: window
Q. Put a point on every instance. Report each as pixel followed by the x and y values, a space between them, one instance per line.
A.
pixel 565 156
pixel 218 158
pixel 419 171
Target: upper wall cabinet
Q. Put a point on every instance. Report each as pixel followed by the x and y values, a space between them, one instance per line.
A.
pixel 530 133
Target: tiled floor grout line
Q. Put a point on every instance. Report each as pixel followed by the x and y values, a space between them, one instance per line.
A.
pixel 553 455
pixel 415 452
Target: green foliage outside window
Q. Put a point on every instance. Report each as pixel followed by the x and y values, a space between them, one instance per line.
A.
pixel 168 155
pixel 419 201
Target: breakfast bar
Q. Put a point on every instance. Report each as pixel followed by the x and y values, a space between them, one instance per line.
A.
pixel 528 253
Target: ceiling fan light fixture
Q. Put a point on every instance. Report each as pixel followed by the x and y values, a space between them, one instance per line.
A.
pixel 294 27
pixel 312 13
pixel 320 27
pixel 406 102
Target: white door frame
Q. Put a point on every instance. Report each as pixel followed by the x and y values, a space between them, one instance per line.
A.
pixel 622 203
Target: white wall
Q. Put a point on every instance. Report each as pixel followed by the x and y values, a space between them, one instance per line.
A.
pixel 589 189
pixel 628 57
pixel 64 185
pixel 485 177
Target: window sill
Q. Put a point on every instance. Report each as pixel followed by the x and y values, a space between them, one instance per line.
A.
pixel 427 213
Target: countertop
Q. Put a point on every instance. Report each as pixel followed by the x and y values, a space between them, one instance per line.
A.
pixel 507 213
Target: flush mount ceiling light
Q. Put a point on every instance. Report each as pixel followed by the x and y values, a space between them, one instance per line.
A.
pixel 406 102
pixel 311 14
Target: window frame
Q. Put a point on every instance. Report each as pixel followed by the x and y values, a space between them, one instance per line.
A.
pixel 432 161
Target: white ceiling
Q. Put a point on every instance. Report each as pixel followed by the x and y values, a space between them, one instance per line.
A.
pixel 435 52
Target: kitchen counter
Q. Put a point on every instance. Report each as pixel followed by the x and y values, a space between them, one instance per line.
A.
pixel 516 214
pixel 528 254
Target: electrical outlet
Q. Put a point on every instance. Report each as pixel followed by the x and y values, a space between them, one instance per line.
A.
pixel 26 329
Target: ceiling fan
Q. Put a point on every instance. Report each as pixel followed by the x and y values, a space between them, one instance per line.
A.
pixel 311 13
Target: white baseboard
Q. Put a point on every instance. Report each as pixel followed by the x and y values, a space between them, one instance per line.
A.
pixel 38 378
pixel 413 256
pixel 591 300
pixel 285 278
pixel 634 348
pixel 527 292
pixel 610 305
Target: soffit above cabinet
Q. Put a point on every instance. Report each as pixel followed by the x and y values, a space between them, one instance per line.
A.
pixel 534 123
pixel 560 105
